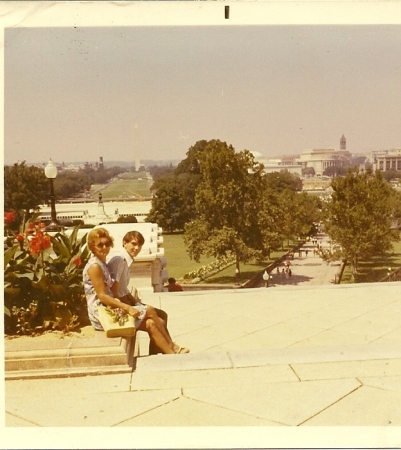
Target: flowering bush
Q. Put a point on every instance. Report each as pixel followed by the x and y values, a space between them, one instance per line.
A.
pixel 210 269
pixel 42 278
pixel 9 217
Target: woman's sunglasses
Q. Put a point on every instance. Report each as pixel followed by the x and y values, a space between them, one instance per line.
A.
pixel 102 244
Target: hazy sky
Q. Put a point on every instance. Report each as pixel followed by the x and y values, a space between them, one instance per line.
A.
pixel 75 94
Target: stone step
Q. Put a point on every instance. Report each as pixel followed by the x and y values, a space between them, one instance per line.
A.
pixel 69 356
pixel 275 356
pixel 67 372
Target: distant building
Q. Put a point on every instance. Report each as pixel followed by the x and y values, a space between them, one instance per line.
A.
pixel 322 158
pixel 319 159
pixel 273 166
pixel 343 143
pixel 386 159
pixel 316 183
pixel 278 164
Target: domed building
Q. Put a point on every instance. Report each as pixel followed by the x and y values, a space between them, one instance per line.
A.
pixel 278 164
pixel 322 158
pixel 318 158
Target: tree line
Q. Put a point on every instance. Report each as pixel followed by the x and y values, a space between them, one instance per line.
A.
pixel 363 216
pixel 226 205
pixel 26 187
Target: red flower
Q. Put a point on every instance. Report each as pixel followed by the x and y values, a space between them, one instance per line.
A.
pixel 47 243
pixel 30 229
pixel 19 237
pixel 77 261
pixel 34 245
pixel 9 217
pixel 39 242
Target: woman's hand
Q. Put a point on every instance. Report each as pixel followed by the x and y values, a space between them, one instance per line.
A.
pixel 133 312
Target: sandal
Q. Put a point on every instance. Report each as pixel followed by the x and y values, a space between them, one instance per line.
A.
pixel 179 350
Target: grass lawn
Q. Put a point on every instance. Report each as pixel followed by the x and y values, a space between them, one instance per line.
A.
pixel 126 188
pixel 179 263
pixel 376 268
pixel 249 270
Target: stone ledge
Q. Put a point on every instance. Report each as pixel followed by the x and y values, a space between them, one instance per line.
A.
pixel 67 373
pixel 318 354
pixel 269 357
pixel 68 356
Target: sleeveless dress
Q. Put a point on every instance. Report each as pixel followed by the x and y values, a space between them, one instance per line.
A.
pixel 91 297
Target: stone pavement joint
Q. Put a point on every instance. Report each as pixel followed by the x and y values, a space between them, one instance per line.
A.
pixel 289 355
pixel 255 358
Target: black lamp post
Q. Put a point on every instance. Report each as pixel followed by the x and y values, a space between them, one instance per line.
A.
pixel 51 174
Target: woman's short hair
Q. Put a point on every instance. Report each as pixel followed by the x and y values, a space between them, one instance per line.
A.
pixel 98 233
pixel 131 235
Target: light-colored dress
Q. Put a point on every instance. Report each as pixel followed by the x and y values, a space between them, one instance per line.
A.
pixel 91 296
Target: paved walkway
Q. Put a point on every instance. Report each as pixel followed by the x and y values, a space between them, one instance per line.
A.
pixel 307 267
pixel 288 359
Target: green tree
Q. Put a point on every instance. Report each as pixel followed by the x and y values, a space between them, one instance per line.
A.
pixel 308 171
pixel 335 171
pixel 173 201
pixel 228 204
pixel 306 212
pixel 158 171
pixel 279 181
pixel 165 203
pixel 130 218
pixel 396 208
pixel 103 176
pixel 191 164
pixel 269 220
pixel 358 217
pixel 391 174
pixel 25 188
pixel 69 184
pixel 299 211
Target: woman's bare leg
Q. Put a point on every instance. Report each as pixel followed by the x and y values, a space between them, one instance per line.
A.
pixel 156 335
pixel 151 314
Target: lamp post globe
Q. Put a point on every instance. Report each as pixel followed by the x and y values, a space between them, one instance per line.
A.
pixel 51 174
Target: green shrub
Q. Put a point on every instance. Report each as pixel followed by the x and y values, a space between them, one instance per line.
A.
pixel 210 269
pixel 129 218
pixel 43 286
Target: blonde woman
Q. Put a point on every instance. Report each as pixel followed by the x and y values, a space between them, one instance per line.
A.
pixel 98 283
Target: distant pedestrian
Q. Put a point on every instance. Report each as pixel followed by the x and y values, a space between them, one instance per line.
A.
pixel 289 272
pixel 266 277
pixel 306 252
pixel 173 286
